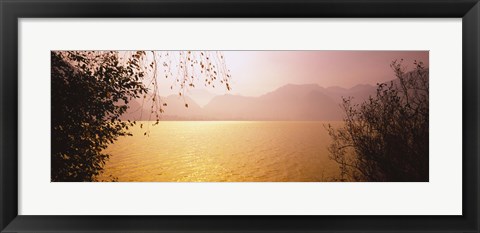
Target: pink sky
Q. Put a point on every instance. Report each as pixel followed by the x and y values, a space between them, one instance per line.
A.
pixel 255 73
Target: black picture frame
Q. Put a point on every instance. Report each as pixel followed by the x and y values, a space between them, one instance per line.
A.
pixel 11 11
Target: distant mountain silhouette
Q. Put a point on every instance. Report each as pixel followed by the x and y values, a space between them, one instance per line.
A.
pixel 201 96
pixel 290 102
pixel 175 109
pixel 360 92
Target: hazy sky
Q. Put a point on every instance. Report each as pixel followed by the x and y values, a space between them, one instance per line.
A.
pixel 258 72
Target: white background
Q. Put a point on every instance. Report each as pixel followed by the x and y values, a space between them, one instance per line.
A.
pixel 441 196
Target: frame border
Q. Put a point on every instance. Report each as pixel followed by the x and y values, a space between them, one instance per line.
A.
pixel 11 11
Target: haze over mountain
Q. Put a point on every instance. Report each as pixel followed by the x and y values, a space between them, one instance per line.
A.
pixel 201 96
pixel 289 102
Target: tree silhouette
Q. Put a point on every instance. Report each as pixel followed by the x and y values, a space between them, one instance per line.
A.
pixel 92 89
pixel 386 137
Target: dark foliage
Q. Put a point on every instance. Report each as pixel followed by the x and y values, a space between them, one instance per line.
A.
pixel 386 138
pixel 90 91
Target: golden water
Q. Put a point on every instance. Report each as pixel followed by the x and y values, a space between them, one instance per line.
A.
pixel 216 151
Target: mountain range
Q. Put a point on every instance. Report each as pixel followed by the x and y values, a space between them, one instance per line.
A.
pixel 289 102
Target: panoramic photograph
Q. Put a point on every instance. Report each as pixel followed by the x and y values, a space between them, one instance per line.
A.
pixel 239 116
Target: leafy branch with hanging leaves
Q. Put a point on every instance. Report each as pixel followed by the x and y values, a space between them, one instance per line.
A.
pixel 91 90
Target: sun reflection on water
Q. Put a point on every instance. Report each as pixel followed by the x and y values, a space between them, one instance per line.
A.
pixel 222 151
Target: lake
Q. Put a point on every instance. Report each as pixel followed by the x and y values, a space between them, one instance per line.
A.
pixel 223 151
